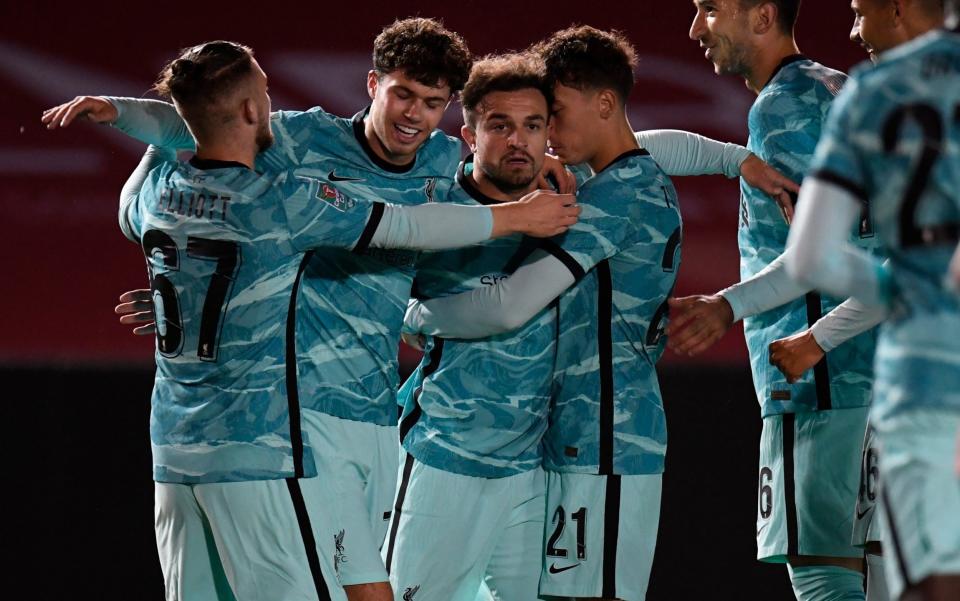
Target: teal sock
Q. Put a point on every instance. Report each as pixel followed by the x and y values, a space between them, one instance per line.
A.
pixel 826 583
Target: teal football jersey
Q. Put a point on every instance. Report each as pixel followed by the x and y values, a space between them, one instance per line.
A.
pixel 353 303
pixel 226 248
pixel 785 123
pixel 479 407
pixel 893 140
pixel 624 253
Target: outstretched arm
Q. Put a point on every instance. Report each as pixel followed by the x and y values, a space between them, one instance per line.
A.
pixel 153 157
pixel 150 121
pixel 492 310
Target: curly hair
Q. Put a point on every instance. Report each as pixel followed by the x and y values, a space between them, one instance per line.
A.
pixel 584 57
pixel 502 73
pixel 204 72
pixel 424 50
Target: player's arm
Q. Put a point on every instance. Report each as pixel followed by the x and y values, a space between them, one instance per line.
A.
pixel 149 121
pixel 682 153
pixel 496 309
pixel 129 213
pixel 822 256
pixel 954 273
pixel 794 355
pixel 318 215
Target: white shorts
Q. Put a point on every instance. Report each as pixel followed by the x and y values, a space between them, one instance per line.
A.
pixel 244 540
pixel 359 461
pixel 920 497
pixel 600 535
pixel 808 483
pixel 462 538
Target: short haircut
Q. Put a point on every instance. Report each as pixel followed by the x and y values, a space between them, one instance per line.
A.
pixel 424 50
pixel 202 75
pixel 584 57
pixel 503 73
pixel 787 12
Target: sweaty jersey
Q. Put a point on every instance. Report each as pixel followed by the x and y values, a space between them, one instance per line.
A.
pixel 226 248
pixel 785 123
pixel 353 303
pixel 893 140
pixel 624 253
pixel 479 407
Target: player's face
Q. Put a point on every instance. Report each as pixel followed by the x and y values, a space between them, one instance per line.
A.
pixel 404 113
pixel 874 26
pixel 576 119
pixel 510 139
pixel 722 27
pixel 264 137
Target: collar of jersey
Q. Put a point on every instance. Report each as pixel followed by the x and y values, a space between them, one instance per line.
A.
pixel 361 136
pixel 786 61
pixel 466 182
pixel 633 152
pixel 207 164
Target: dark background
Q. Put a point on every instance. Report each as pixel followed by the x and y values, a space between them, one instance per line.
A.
pixel 76 385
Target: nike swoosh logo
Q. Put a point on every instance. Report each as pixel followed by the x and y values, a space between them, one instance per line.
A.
pixel 332 176
pixel 761 528
pixel 555 570
pixel 863 513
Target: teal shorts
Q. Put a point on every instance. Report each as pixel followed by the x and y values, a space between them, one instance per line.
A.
pixel 261 539
pixel 359 462
pixel 600 535
pixel 461 538
pixel 867 527
pixel 920 496
pixel 809 483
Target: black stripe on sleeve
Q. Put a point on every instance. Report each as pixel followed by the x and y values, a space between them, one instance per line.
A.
pixel 376 215
pixel 397 506
pixel 293 388
pixel 789 485
pixel 309 542
pixel 551 247
pixel 821 373
pixel 838 180
pixel 611 532
pixel 605 351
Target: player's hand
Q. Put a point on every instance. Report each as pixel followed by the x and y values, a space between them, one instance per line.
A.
pixel 697 322
pixel 91 108
pixel 540 214
pixel 795 354
pixel 415 341
pixel 566 181
pixel 954 277
pixel 136 309
pixel 776 185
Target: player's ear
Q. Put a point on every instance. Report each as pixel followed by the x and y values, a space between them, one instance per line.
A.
pixel 606 103
pixel 764 17
pixel 373 80
pixel 469 136
pixel 249 109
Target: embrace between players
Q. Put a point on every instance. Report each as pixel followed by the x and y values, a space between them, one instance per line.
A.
pixel 282 257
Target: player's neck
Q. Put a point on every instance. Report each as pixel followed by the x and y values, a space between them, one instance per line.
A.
pixel 231 151
pixel 767 60
pixel 489 188
pixel 611 144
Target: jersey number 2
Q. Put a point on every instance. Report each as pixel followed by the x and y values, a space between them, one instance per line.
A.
pixel 162 248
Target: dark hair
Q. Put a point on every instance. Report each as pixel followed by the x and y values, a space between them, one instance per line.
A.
pixel 584 57
pixel 424 50
pixel 204 73
pixel 787 12
pixel 503 73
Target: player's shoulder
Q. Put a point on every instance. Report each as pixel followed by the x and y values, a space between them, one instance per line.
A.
pixel 633 174
pixel 916 62
pixel 440 154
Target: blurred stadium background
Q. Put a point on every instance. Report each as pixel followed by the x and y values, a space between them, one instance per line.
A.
pixel 76 384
